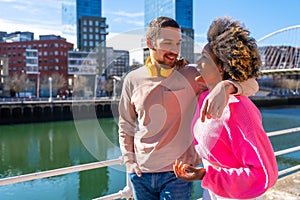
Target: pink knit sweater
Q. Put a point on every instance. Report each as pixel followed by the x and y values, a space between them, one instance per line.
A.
pixel 240 157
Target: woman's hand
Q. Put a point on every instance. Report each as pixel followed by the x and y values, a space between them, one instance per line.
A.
pixel 187 172
pixel 215 102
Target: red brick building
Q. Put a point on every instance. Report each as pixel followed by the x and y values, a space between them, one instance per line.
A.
pixel 39 59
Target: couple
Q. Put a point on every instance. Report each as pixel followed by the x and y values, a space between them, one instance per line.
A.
pixel 157 107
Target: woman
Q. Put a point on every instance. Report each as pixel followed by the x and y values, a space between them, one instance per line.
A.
pixel 238 158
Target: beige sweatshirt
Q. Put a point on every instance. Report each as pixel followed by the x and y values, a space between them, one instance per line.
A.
pixel 155 115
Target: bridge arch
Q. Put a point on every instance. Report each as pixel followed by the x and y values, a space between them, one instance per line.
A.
pixel 277 32
pixel 280 51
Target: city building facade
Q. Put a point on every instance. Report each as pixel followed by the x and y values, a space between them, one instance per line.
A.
pixel 18 36
pixel 38 60
pixel 117 62
pixel 3 75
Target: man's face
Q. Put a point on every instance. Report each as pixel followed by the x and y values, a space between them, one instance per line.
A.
pixel 167 46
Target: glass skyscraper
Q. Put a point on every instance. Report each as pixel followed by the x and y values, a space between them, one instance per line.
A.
pixel 83 23
pixel 90 8
pixel 182 12
pixel 84 26
pixel 69 21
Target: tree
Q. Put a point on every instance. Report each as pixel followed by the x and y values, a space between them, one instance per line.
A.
pixel 80 83
pixel 58 81
pixel 109 87
pixel 17 83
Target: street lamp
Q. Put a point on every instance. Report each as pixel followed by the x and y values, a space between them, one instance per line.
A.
pixel 115 78
pixel 96 86
pixel 50 89
pixel 114 90
pixel 38 85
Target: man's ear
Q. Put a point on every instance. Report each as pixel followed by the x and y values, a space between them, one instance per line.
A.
pixel 150 44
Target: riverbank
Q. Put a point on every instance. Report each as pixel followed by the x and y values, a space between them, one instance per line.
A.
pixel 20 112
pixel 268 101
pixel 28 111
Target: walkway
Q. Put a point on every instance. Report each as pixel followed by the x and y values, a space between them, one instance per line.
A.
pixel 286 188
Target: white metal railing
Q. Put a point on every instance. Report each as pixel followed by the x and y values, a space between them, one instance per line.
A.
pixel 56 172
pixel 285 151
pixel 127 191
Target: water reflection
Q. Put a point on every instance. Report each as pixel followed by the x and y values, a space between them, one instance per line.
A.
pixel 39 147
pixel 278 118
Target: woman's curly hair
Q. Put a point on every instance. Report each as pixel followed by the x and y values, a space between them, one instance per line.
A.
pixel 230 41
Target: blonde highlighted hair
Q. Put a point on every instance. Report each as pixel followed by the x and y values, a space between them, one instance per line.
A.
pixel 230 41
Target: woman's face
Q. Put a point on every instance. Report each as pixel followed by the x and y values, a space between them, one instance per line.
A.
pixel 209 70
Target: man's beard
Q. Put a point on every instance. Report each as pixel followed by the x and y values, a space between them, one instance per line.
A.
pixel 166 64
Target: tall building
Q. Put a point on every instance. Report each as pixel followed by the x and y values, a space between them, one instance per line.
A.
pixel 69 21
pixel 83 18
pixel 182 12
pixel 117 62
pixel 83 23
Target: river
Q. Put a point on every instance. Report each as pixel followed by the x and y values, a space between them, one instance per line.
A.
pixel 29 148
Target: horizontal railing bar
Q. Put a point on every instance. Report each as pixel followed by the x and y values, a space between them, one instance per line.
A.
pixel 110 197
pixel 60 171
pixel 281 132
pixel 285 151
pixel 294 168
pixel 125 193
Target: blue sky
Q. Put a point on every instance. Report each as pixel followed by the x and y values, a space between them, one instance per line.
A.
pixel 44 17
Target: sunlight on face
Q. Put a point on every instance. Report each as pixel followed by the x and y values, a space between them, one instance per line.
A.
pixel 169 39
pixel 167 46
pixel 208 68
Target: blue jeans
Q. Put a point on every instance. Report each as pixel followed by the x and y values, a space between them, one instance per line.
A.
pixel 163 186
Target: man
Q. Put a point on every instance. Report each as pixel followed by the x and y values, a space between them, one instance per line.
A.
pixel 156 109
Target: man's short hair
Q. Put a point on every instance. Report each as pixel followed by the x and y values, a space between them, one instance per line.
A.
pixel 158 23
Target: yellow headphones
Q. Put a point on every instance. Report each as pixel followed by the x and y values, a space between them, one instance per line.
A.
pixel 153 70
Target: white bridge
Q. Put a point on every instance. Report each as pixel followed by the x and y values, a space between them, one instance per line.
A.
pixel 280 51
